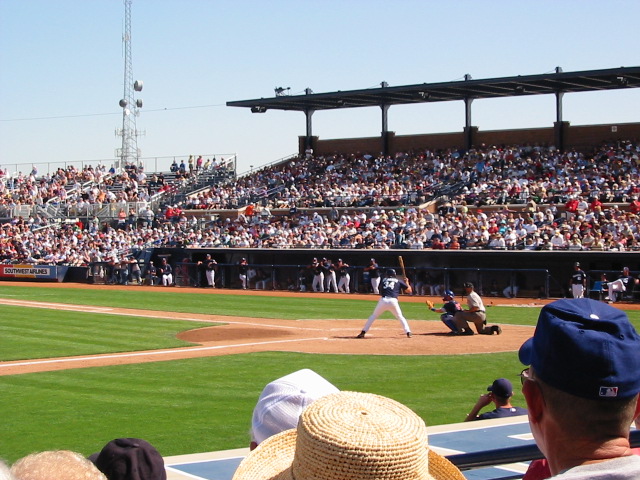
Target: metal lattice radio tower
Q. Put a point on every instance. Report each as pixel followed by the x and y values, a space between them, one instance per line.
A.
pixel 129 154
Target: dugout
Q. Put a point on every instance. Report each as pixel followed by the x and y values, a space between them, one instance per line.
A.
pixel 529 270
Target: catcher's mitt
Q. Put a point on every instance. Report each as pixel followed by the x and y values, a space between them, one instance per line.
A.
pixel 429 304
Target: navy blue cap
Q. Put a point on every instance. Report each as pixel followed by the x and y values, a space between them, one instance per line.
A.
pixel 585 348
pixel 501 387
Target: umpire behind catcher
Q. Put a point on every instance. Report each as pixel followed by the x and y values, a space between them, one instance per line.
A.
pixel 475 313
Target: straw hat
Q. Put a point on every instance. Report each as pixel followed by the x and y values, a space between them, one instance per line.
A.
pixel 350 436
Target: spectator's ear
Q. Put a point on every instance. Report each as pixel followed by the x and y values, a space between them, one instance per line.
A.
pixel 535 401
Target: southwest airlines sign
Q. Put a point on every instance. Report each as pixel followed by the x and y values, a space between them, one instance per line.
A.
pixel 40 272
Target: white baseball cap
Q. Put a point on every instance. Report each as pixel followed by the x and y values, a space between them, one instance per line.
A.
pixel 282 402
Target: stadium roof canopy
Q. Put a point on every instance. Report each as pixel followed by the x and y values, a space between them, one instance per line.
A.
pixel 467 90
pixel 548 83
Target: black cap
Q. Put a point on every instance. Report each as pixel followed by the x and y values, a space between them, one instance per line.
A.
pixel 468 285
pixel 130 459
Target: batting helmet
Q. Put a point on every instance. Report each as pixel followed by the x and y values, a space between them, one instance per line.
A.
pixel 448 293
pixel 391 272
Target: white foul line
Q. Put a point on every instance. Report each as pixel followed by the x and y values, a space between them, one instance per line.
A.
pixel 152 352
pixel 154 315
pixel 59 306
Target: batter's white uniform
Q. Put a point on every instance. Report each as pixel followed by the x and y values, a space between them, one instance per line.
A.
pixel 391 287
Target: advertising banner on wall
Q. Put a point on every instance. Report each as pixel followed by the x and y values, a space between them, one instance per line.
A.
pixel 33 272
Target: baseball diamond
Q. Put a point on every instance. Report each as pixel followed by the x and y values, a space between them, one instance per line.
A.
pixel 243 335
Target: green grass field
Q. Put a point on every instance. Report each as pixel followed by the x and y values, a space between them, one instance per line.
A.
pixel 202 404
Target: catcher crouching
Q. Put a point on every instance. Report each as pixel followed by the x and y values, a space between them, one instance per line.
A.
pixel 448 310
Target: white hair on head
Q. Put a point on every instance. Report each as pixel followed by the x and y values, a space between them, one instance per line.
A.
pixel 5 473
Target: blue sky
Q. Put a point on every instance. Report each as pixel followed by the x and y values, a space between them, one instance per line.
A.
pixel 61 69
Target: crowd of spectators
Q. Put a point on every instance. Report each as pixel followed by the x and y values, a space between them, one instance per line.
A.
pixel 486 175
pixel 76 192
pixel 532 198
pixel 72 186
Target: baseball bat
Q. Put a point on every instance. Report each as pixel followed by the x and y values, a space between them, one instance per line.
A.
pixel 401 260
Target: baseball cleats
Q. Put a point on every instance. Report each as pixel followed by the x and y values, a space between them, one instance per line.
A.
pixel 496 329
pixel 361 334
pixel 466 331
pixel 408 334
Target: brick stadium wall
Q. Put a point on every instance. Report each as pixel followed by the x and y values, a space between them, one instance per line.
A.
pixel 579 137
pixel 585 136
pixel 540 136
pixel 405 143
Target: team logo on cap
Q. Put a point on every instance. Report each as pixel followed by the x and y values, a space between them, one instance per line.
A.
pixel 608 392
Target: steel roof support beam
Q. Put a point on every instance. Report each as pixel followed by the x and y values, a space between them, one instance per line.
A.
pixel 308 140
pixel 468 129
pixel 308 113
pixel 385 129
pixel 559 96
pixel 559 125
pixel 385 123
